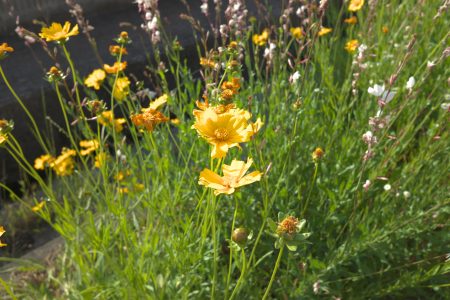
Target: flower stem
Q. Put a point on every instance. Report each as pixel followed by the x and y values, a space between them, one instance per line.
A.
pixel 275 269
pixel 230 262
pixel 312 187
pixel 241 277
pixel 33 122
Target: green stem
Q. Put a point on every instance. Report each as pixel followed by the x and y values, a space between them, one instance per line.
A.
pixel 74 77
pixel 241 277
pixel 33 122
pixel 213 200
pixel 230 261
pixel 311 189
pixel 275 269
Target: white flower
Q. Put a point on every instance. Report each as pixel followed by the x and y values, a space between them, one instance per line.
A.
pixel 411 82
pixel 369 138
pixel 204 8
pixel 376 90
pixel 294 77
pixel 445 106
pixel 379 91
pixel 367 184
pixel 406 194
pixel 387 187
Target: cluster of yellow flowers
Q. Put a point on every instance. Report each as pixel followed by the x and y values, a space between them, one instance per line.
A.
pixel 150 117
pixel 64 164
pixel 225 126
pixel 261 39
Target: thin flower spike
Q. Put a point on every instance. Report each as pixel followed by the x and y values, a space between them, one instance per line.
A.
pixel 233 177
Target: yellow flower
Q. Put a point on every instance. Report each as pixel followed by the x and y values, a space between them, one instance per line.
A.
pixel 207 63
pixel 297 32
pixel 90 146
pixel 355 5
pixel 64 164
pixel 351 46
pixel 95 79
pixel 288 225
pixel 324 31
pixel 57 33
pixel 223 131
pixel 121 175
pixel 261 39
pixel 352 20
pixel 107 119
pixel 317 154
pixel 2 231
pixel 4 48
pixel 150 117
pixel 116 50
pixel 38 206
pixel 175 121
pixel 3 138
pixel 122 88
pixel 233 177
pixel 137 187
pixel 100 159
pixel 385 29
pixel 116 68
pixel 43 161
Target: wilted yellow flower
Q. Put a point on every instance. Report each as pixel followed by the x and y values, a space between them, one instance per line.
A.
pixel 261 39
pixel 116 68
pixel 233 177
pixel 57 33
pixel 43 161
pixel 2 231
pixel 100 159
pixel 223 131
pixel 117 50
pixel 4 48
pixel 351 46
pixel 38 206
pixel 317 154
pixel 324 30
pixel 107 119
pixel 288 226
pixel 89 146
pixel 122 88
pixel 150 117
pixel 207 63
pixel 355 5
pixel 297 32
pixel 95 79
pixel 64 164
pixel 385 29
pixel 352 20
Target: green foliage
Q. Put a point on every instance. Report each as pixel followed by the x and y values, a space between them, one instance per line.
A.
pixel 157 234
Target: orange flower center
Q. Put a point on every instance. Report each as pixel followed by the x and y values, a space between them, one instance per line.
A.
pixel 221 134
pixel 288 225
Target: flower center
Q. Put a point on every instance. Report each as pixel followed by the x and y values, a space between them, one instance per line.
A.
pixel 221 134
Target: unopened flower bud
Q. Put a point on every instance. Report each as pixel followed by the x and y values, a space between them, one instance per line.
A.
pixel 240 236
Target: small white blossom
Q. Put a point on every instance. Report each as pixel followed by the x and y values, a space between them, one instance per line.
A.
pixel 294 77
pixel 411 82
pixel 376 90
pixel 367 184
pixel 204 8
pixel 406 194
pixel 387 187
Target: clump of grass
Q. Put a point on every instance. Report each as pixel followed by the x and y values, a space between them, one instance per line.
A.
pixel 334 118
